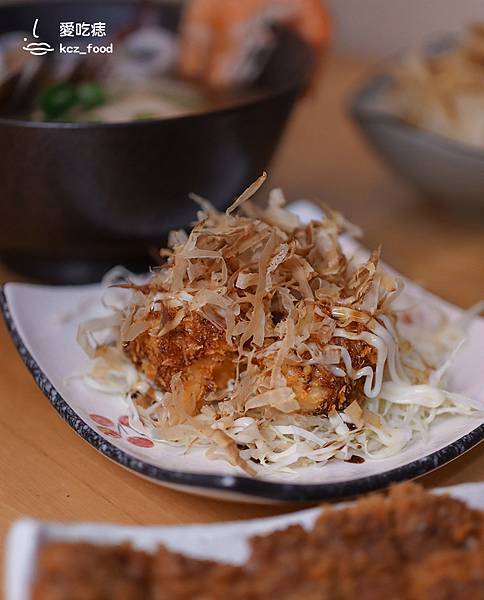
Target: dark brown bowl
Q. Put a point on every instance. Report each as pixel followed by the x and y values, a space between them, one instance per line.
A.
pixel 77 198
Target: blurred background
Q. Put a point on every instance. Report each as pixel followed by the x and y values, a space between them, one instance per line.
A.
pixel 378 28
pixel 324 156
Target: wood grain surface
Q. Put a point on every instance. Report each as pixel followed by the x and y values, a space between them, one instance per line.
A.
pixel 48 472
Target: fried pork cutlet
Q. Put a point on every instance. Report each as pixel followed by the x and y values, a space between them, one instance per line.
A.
pixel 379 548
pixel 199 352
pixel 196 349
pixel 409 545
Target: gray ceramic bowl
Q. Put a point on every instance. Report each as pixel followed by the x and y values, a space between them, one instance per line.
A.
pixel 447 172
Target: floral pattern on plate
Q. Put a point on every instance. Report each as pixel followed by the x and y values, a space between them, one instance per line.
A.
pixel 120 430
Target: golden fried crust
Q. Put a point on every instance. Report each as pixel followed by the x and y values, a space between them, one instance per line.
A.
pixel 318 391
pixel 87 572
pixel 174 576
pixel 446 576
pixel 196 348
pixel 409 545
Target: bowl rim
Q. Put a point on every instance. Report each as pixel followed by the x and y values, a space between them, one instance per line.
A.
pixel 292 87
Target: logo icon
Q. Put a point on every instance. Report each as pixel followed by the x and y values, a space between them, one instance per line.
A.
pixel 37 48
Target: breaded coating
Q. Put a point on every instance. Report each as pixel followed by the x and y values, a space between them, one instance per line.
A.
pixel 88 572
pixel 199 352
pixel 196 349
pixel 408 545
pixel 319 391
pixel 183 578
pixel 379 548
pixel 446 576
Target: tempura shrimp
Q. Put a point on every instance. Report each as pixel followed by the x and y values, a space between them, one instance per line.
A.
pixel 219 37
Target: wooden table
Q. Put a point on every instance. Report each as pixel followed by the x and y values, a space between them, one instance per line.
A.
pixel 48 472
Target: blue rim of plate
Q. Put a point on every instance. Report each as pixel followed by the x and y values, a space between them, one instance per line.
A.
pixel 234 484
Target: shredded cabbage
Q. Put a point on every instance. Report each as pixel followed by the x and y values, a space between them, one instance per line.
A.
pixel 334 315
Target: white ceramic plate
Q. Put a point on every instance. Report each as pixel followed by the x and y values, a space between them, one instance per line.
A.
pixel 43 322
pixel 224 542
